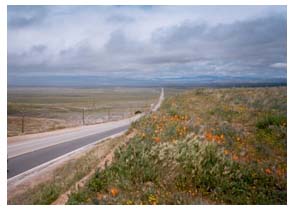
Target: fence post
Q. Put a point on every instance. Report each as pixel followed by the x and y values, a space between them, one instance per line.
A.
pixel 83 116
pixel 22 123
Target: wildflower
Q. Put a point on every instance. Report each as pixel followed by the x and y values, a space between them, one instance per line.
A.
pixel 268 171
pixel 226 152
pixel 129 202
pixel 114 191
pixel 157 139
pixel 208 136
pixel 216 138
pixel 152 199
pixel 235 157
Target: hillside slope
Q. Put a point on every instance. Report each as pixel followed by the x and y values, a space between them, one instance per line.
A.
pixel 205 146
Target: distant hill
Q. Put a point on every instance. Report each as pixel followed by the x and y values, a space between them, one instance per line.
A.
pixel 194 81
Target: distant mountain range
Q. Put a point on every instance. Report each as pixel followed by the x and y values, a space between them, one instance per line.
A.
pixel 95 81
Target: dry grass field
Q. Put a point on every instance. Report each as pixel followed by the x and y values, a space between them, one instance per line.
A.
pixel 51 108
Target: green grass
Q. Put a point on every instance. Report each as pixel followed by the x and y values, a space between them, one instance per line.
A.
pixel 204 146
pixel 271 120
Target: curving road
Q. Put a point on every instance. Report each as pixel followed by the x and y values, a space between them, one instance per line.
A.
pixel 29 151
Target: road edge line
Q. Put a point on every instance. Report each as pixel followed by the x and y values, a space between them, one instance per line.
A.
pixel 29 172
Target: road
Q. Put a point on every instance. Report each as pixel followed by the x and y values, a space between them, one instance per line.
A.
pixel 29 151
pixel 161 98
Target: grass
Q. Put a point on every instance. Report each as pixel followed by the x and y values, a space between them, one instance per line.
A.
pixel 51 108
pixel 204 146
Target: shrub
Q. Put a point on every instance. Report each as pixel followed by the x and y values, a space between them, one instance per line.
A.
pixel 268 120
pixel 77 198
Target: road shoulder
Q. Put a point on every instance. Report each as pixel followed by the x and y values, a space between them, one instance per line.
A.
pixel 66 172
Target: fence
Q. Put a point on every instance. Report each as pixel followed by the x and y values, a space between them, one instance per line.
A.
pixel 41 119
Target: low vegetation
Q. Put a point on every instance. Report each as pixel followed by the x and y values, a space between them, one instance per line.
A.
pixel 204 146
pixel 47 109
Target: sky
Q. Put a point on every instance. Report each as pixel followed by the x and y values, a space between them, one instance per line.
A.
pixel 121 45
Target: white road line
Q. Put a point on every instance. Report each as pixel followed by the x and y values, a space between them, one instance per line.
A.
pixel 33 145
pixel 67 155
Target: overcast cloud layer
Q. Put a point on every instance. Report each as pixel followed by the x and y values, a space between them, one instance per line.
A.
pixel 121 44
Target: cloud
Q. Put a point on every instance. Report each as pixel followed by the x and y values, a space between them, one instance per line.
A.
pixel 239 38
pixel 279 65
pixel 24 16
pixel 243 47
pixel 147 43
pixel 120 43
pixel 119 19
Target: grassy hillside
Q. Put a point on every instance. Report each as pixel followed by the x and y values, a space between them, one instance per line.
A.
pixel 204 146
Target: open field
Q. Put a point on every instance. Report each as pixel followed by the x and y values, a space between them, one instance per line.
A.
pixel 51 108
pixel 204 146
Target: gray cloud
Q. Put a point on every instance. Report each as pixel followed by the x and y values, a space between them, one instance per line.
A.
pixel 269 32
pixel 24 16
pixel 251 45
pixel 129 43
pixel 279 65
pixel 120 19
pixel 167 58
pixel 120 43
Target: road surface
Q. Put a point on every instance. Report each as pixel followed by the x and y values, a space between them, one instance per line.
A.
pixel 161 98
pixel 29 151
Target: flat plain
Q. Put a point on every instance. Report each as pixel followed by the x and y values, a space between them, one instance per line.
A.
pixel 51 108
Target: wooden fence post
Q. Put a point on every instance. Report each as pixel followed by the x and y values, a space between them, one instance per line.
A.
pixel 83 116
pixel 22 123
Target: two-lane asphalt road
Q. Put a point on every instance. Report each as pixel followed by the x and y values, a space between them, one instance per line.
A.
pixel 26 161
pixel 29 151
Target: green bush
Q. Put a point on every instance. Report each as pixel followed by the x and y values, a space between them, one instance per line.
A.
pixel 49 194
pixel 75 198
pixel 98 182
pixel 268 120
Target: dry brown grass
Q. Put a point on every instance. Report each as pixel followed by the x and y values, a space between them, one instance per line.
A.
pixel 33 125
pixel 47 109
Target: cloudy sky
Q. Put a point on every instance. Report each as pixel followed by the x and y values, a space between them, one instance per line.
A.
pixel 144 44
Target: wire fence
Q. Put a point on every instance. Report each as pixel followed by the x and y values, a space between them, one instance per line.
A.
pixel 41 119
